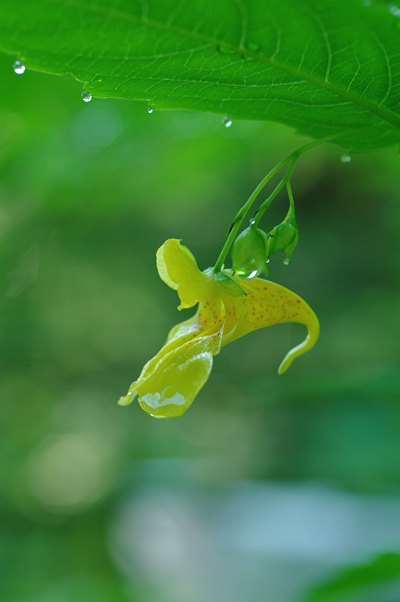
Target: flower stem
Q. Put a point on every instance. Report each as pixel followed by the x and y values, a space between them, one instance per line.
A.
pixel 285 180
pixel 292 159
pixel 291 200
pixel 237 222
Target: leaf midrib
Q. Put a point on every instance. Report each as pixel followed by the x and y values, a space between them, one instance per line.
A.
pixel 377 110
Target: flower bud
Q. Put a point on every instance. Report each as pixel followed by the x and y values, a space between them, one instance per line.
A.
pixel 249 253
pixel 285 237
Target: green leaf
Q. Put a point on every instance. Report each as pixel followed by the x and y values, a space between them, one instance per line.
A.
pixel 320 66
pixel 358 580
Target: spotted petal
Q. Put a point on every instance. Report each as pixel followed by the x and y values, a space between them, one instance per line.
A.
pixel 268 303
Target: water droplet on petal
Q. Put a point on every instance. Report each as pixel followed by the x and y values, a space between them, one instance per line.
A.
pixel 345 158
pixel 86 96
pixel 286 261
pixel 19 68
pixel 227 122
pixel 150 109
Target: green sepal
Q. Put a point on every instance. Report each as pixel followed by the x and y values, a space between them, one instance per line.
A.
pixel 249 253
pixel 228 285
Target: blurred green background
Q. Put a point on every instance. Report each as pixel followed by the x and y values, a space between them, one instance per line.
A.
pixel 268 485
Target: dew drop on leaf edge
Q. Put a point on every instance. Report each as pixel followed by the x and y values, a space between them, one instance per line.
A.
pixel 19 68
pixel 86 96
pixel 226 122
pixel 286 261
pixel 150 110
pixel 345 158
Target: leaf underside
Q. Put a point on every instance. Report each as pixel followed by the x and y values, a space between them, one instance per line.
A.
pixel 320 66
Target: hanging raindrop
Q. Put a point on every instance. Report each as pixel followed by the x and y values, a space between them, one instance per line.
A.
pixel 86 96
pixel 286 261
pixel 150 109
pixel 19 68
pixel 227 122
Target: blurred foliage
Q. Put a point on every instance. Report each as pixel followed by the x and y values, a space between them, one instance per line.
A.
pixel 356 583
pixel 88 192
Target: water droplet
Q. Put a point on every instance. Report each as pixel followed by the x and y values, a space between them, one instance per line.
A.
pixel 252 274
pixel 286 261
pixel 86 96
pixel 394 9
pixel 226 51
pixel 19 68
pixel 227 122
pixel 253 47
pixel 252 221
pixel 268 260
pixel 150 109
pixel 345 158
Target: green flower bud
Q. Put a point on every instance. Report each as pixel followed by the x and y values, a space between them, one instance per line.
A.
pixel 285 237
pixel 249 253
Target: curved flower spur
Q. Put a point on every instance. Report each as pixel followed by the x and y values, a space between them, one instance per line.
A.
pixel 229 307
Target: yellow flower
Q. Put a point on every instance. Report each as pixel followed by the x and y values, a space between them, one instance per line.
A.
pixel 170 381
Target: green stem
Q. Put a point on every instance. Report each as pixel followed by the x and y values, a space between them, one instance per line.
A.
pixel 237 222
pixel 293 157
pixel 285 180
pixel 259 213
pixel 291 201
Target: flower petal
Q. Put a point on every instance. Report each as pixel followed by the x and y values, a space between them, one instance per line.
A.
pixel 170 381
pixel 268 303
pixel 178 268
pixel 170 388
